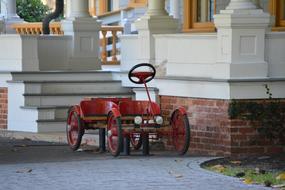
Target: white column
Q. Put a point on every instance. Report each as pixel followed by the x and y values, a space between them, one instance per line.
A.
pixel 174 8
pixel 9 11
pixel 155 21
pixel 79 8
pixel 9 7
pixel 241 41
pixel 84 30
pixel 156 7
pixel 68 8
pixel 241 4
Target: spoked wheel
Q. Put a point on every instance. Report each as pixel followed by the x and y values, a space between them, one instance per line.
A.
pixel 180 132
pixel 74 130
pixel 136 140
pixel 114 134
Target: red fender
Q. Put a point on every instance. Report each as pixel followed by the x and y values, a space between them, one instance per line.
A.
pixel 116 112
pixel 75 108
pixel 181 110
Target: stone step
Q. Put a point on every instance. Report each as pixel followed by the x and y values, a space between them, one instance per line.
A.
pixel 68 99
pixel 108 86
pixel 62 76
pixel 48 126
pixel 50 112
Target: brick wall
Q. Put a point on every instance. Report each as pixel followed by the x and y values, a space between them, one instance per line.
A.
pixel 214 133
pixel 3 107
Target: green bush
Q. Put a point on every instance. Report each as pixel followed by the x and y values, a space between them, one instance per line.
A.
pixel 32 10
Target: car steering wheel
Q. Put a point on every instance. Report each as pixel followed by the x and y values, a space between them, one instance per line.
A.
pixel 141 77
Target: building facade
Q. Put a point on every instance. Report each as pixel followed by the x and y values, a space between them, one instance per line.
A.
pixel 218 54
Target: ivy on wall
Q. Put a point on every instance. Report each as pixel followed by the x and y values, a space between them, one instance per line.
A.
pixel 268 116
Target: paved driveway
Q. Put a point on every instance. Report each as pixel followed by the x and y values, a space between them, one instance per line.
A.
pixel 43 166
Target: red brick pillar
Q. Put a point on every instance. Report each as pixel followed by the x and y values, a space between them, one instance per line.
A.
pixel 3 107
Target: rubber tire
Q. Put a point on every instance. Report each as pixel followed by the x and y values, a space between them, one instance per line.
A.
pixel 187 133
pixel 145 144
pixel 139 143
pixel 116 152
pixel 81 130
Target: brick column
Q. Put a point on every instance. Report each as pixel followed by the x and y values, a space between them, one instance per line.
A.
pixel 3 107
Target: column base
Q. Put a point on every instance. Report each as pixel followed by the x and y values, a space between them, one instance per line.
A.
pixel 85 43
pixel 9 22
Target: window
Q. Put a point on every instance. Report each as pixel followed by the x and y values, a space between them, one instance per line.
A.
pixel 277 9
pixel 137 3
pixel 105 6
pixel 198 14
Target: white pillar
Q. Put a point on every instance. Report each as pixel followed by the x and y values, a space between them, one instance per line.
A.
pixel 155 21
pixel 9 11
pixel 9 8
pixel 156 7
pixel 79 8
pixel 241 32
pixel 175 8
pixel 241 4
pixel 85 37
pixel 68 8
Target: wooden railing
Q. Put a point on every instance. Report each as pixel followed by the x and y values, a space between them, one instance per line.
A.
pixel 109 38
pixel 109 41
pixel 35 28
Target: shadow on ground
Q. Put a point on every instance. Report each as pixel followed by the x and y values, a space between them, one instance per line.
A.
pixel 13 151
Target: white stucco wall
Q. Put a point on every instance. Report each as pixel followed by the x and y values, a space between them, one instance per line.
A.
pixel 18 53
pixel 54 52
pixel 189 55
pixel 275 53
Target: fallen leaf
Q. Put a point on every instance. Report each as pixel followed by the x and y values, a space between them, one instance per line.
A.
pixel 218 168
pixel 259 171
pixel 281 176
pixel 236 162
pixel 279 186
pixel 248 181
pixel 263 157
pixel 176 175
pixel 26 170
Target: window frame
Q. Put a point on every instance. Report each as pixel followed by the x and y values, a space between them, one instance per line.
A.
pixel 137 3
pixel 190 17
pixel 275 8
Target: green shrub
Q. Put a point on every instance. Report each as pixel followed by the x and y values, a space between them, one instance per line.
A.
pixel 32 10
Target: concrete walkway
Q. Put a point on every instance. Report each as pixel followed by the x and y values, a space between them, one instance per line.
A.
pixel 28 165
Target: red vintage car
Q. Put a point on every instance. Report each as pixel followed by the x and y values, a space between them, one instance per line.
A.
pixel 126 122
